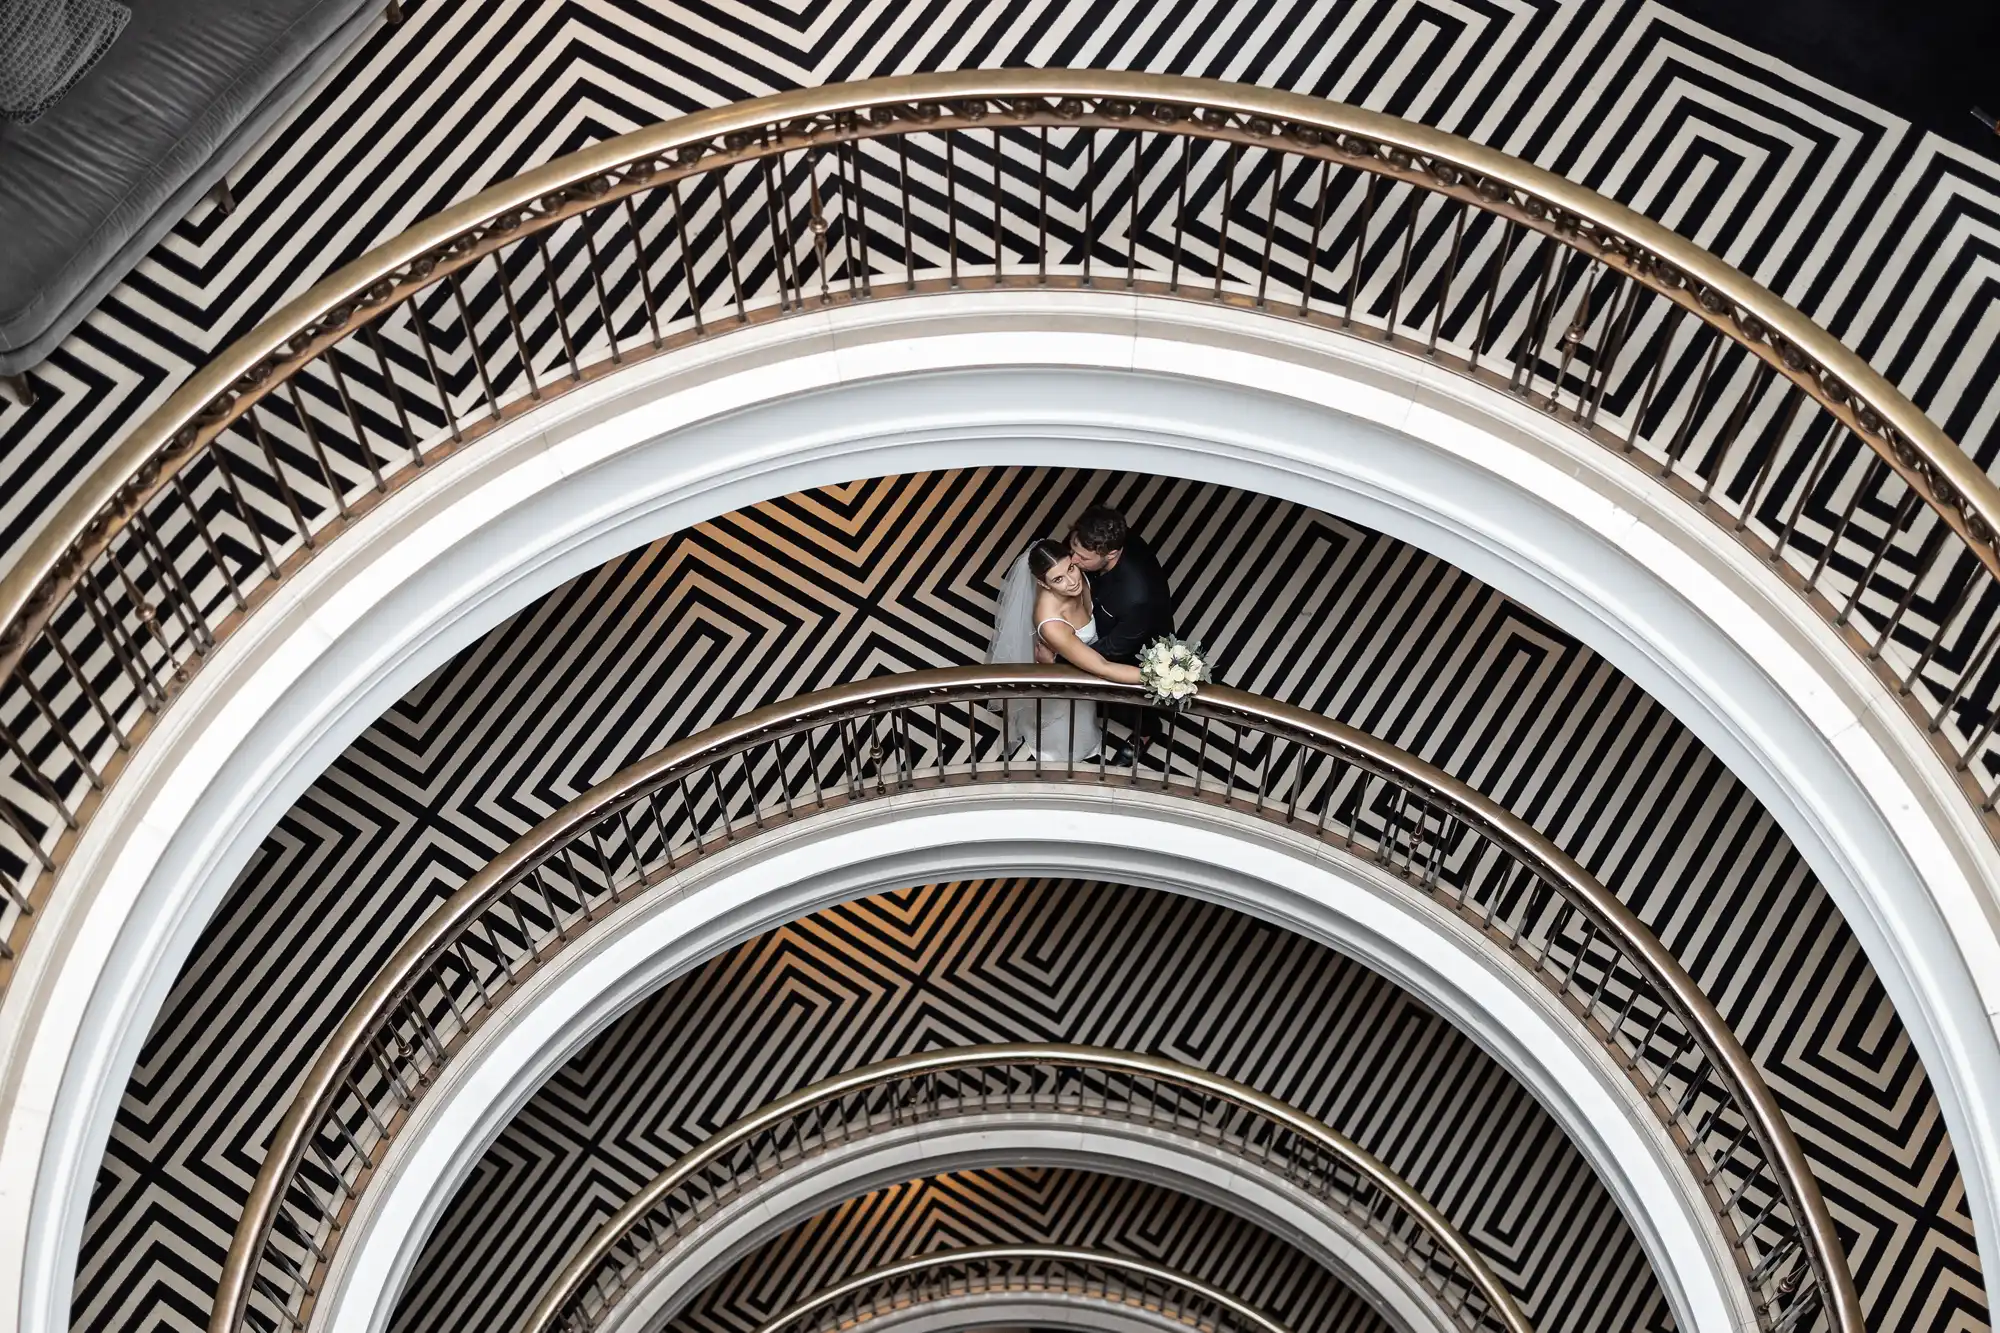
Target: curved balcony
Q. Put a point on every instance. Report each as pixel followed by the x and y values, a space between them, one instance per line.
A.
pixel 1280 766
pixel 1161 1096
pixel 1013 1270
pixel 1324 215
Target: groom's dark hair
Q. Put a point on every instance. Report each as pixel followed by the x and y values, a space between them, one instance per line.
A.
pixel 1101 529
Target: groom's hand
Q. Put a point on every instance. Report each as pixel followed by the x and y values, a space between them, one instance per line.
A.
pixel 1043 655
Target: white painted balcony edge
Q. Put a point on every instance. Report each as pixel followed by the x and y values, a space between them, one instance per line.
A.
pixel 785 1198
pixel 1149 840
pixel 996 378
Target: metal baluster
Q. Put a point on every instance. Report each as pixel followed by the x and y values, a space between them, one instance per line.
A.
pixel 332 358
pixel 951 206
pixel 1089 199
pixel 395 394
pixel 1903 513
pixel 200 525
pixel 1613 347
pixel 586 224
pixel 687 256
pixel 1222 223
pixel 311 432
pixel 186 609
pixel 1445 278
pixel 1180 215
pixel 999 211
pixel 87 691
pixel 639 270
pixel 790 294
pixel 216 456
pixel 1496 271
pixel 124 646
pixel 721 801
pixel 1403 268
pixel 556 304
pixel 1875 465
pixel 1521 378
pixel 1925 561
pixel 727 208
pixel 909 235
pixel 472 347
pixel 1042 211
pixel 422 325
pixel 1695 410
pixel 284 486
pixel 1139 181
pixel 1313 241
pixel 148 617
pixel 1760 375
pixel 1362 219
pixel 859 226
pixel 1664 343
pixel 1572 340
pixel 818 230
pixel 1767 468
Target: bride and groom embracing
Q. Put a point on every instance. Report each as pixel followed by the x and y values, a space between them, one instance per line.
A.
pixel 1092 601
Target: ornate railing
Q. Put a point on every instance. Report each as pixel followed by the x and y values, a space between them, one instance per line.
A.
pixel 1001 1271
pixel 632 834
pixel 1160 1095
pixel 1335 217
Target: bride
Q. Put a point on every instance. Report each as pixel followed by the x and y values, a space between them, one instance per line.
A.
pixel 1045 615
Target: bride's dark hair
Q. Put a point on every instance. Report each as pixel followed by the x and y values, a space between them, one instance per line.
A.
pixel 1043 555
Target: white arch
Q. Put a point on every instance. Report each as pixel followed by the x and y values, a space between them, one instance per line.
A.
pixel 787 1197
pixel 1020 1311
pixel 1145 839
pixel 1081 379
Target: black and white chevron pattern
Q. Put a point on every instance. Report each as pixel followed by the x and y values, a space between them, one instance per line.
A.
pixel 1099 965
pixel 901 572
pixel 1028 1206
pixel 1884 234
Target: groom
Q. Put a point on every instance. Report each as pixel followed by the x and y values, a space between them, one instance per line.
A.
pixel 1133 602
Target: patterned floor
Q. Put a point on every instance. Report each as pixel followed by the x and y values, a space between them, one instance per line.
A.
pixel 959 964
pixel 1886 235
pixel 901 572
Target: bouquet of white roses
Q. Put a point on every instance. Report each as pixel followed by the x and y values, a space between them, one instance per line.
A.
pixel 1172 670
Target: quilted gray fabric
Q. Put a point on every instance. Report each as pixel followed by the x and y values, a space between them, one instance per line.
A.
pixel 47 45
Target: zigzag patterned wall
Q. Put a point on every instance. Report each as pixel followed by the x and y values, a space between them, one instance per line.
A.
pixel 1027 1206
pixel 898 573
pixel 1886 235
pixel 1098 965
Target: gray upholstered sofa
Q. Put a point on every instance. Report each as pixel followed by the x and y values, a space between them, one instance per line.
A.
pixel 90 187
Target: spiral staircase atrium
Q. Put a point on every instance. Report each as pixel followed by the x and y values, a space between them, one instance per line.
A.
pixel 506 822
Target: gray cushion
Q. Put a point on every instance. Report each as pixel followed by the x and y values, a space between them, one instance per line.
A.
pixel 90 187
pixel 47 45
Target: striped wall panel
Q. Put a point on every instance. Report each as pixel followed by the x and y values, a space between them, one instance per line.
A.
pixel 901 572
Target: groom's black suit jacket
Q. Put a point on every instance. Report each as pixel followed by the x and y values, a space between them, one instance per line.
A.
pixel 1133 602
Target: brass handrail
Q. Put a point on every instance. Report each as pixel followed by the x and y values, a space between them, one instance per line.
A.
pixel 600 1273
pixel 856 192
pixel 1049 1263
pixel 1294 769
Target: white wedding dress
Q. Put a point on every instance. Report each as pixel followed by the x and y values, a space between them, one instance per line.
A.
pixel 1064 729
